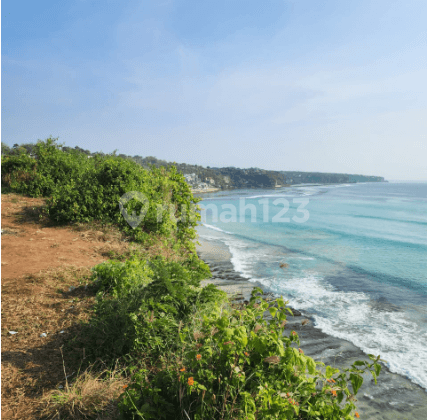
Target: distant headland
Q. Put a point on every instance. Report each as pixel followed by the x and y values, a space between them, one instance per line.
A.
pixel 208 179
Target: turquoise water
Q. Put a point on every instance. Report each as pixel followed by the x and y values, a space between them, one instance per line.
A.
pixel 356 259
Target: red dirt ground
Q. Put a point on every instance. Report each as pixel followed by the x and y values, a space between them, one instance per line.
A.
pixel 39 264
pixel 29 248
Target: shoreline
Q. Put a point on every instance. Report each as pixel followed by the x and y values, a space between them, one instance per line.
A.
pixel 204 191
pixel 276 187
pixel 395 397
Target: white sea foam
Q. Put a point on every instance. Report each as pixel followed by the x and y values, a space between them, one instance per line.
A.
pixel 300 258
pixel 345 315
pixel 350 316
pixel 270 195
pixel 309 191
pixel 216 228
pixel 241 263
pixel 297 190
pixel 339 185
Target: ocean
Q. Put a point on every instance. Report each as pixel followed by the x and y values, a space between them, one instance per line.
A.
pixel 352 257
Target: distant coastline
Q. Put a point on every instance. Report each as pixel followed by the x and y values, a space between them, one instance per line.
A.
pixel 204 190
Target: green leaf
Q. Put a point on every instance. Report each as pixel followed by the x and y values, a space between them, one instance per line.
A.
pixel 311 366
pixel 377 368
pixel 272 311
pixel 347 409
pixel 356 381
pixel 241 335
pixel 280 303
pixel 282 316
pixel 222 322
pixel 259 345
pixel 229 332
pixel 280 348
pixel 256 290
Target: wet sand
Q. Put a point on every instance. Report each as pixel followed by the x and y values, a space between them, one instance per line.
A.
pixel 395 397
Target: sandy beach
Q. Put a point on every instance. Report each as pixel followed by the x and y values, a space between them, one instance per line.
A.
pixel 394 397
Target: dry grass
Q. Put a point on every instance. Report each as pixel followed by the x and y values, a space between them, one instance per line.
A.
pixel 91 395
pixel 31 364
pixel 55 302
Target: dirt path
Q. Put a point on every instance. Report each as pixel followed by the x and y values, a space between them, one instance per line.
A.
pixel 44 273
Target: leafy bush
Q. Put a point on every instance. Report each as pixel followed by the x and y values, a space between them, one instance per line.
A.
pixel 96 193
pixel 141 303
pixel 18 174
pixel 235 364
pixel 119 278
pixel 83 190
pixel 39 175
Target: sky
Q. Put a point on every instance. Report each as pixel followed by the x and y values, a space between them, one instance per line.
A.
pixel 305 85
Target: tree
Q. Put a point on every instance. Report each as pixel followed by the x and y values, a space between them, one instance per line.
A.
pixel 5 149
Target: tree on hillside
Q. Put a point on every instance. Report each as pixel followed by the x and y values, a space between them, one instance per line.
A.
pixel 5 149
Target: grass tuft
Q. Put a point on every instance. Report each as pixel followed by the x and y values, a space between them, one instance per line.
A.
pixel 92 395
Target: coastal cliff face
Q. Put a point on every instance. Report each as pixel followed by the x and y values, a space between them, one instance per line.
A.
pixel 237 178
pixel 259 178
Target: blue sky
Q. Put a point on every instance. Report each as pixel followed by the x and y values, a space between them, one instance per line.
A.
pixel 331 86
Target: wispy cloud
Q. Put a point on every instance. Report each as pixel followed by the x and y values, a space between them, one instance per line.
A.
pixel 328 89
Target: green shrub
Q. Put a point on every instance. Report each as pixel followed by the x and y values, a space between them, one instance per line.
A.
pixel 235 364
pixel 95 195
pixel 82 190
pixel 18 174
pixel 119 278
pixel 39 175
pixel 140 305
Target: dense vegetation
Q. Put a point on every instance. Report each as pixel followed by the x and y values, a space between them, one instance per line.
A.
pixel 229 177
pixel 80 189
pixel 190 353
